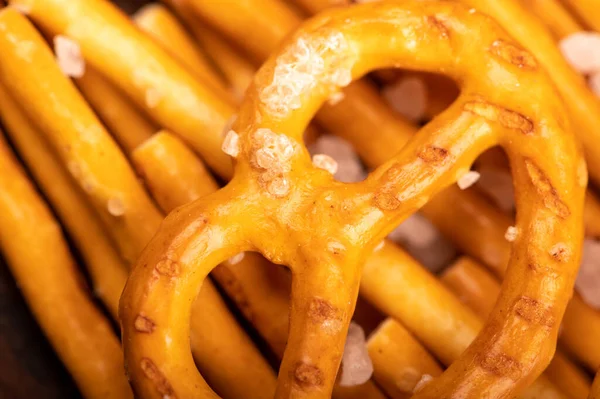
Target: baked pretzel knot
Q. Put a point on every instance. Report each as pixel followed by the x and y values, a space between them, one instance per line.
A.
pixel 295 214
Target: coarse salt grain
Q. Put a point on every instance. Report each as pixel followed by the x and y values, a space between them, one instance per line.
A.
pixel 588 279
pixel 350 169
pixel 237 258
pixel 408 97
pixel 153 97
pixel 68 56
pixel 582 51
pixel 379 246
pixel 357 367
pixel 468 179
pixel 325 162
pixel 425 379
pixel 116 207
pixel 335 98
pixel 511 234
pixel 231 144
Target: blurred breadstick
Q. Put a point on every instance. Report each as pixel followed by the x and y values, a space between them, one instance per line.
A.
pixel 315 6
pixel 238 71
pixel 166 155
pixel 93 149
pixel 478 289
pixel 260 289
pixel 425 307
pixel 581 317
pixel 473 285
pixel 400 361
pixel 587 11
pixel 158 22
pixel 107 271
pixel 175 98
pixel 39 259
pixel 124 120
pixel 556 18
pixel 32 77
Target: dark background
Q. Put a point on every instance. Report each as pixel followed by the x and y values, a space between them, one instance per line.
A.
pixel 29 367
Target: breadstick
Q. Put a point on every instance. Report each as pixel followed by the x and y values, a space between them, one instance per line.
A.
pixel 39 259
pixel 108 272
pixel 158 22
pixel 399 360
pixel 31 76
pixel 556 18
pixel 127 124
pixel 166 90
pixel 275 181
pixel 586 10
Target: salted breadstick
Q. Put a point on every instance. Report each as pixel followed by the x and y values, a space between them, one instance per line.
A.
pixel 39 259
pixel 123 119
pixel 32 77
pixel 107 270
pixel 400 361
pixel 158 22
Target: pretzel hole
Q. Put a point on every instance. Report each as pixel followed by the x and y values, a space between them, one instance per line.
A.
pixel 495 183
pixel 243 282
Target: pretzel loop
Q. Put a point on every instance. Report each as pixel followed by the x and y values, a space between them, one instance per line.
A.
pixel 296 214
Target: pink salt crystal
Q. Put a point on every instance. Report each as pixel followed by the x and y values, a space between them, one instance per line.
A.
pixel 408 97
pixel 582 51
pixel 588 279
pixel 357 366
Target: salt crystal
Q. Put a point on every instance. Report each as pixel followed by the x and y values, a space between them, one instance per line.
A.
pixel 588 279
pixel 325 162
pixel 425 379
pixel 231 144
pixel 582 51
pixel 408 97
pixel 511 234
pixel 68 56
pixel 237 258
pixel 468 179
pixel 116 207
pixel 357 366
pixel 350 169
pixel 335 98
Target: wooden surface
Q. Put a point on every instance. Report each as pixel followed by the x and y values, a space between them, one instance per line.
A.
pixel 29 368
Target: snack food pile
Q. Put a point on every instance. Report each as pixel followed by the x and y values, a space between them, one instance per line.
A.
pixel 307 198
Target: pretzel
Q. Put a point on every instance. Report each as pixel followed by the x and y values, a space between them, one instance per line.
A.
pixel 260 289
pixel 583 106
pixel 479 290
pixel 196 237
pixel 107 270
pixel 39 260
